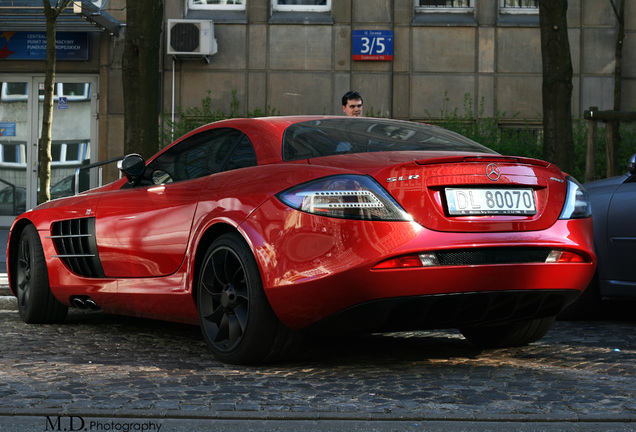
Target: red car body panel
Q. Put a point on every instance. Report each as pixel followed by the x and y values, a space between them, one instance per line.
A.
pixel 150 239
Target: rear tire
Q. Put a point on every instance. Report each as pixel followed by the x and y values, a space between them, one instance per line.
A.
pixel 237 321
pixel 36 303
pixel 508 335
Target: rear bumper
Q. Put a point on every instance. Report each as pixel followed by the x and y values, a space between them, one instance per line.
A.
pixel 315 267
pixel 447 311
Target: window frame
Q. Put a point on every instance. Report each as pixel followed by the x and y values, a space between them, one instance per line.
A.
pixel 217 7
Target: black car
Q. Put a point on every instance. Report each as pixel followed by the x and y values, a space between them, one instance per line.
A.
pixel 613 209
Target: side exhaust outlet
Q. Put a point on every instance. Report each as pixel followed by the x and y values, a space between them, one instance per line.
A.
pixel 82 302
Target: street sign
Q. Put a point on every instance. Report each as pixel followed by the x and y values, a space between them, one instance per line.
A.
pixel 372 45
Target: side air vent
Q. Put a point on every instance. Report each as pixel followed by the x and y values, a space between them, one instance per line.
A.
pixel 76 246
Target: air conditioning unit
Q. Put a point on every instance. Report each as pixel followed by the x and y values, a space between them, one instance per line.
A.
pixel 191 38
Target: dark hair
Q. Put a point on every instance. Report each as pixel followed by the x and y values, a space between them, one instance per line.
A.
pixel 350 95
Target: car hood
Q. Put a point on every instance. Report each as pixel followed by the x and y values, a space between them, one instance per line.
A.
pixel 418 181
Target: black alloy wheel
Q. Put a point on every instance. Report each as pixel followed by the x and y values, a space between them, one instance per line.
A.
pixel 36 303
pixel 236 319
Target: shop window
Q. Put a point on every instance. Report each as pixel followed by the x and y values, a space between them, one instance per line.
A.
pixel 227 5
pixel 301 5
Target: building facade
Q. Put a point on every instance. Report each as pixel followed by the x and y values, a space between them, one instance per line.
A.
pixel 410 59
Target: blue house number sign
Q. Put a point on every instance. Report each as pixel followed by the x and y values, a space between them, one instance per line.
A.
pixel 372 45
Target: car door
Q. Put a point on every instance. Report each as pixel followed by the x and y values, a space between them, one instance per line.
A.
pixel 143 231
pixel 621 231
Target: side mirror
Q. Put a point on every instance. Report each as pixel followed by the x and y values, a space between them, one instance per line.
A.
pixel 133 167
pixel 631 165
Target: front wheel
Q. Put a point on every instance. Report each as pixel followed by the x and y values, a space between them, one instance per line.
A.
pixel 508 335
pixel 36 303
pixel 236 319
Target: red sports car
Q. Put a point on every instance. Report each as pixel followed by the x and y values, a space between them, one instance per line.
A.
pixel 259 229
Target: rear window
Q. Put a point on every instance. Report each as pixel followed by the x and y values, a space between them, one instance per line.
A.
pixel 328 137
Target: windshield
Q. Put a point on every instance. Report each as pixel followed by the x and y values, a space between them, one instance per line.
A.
pixel 329 137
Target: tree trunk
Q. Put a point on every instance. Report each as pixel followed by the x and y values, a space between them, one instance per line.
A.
pixel 558 146
pixel 613 162
pixel 44 172
pixel 141 78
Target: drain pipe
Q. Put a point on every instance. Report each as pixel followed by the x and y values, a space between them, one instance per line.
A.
pixel 173 83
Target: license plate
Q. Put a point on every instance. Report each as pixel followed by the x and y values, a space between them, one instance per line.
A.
pixel 464 202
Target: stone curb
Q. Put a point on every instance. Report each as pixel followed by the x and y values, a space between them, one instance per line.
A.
pixel 8 303
pixel 7 300
pixel 322 416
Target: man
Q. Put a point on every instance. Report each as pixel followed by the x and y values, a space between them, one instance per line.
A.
pixel 352 104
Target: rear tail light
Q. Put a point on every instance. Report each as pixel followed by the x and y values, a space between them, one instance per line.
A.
pixel 577 204
pixel 345 196
pixel 409 261
pixel 557 256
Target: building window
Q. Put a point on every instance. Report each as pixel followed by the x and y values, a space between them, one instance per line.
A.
pixel 17 91
pixel 69 153
pixel 217 4
pixel 12 154
pixel 444 4
pixel 519 6
pixel 302 5
pixel 14 91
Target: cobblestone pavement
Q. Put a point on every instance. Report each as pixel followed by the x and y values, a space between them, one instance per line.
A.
pixel 103 365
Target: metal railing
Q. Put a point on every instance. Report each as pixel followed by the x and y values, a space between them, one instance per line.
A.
pixel 100 175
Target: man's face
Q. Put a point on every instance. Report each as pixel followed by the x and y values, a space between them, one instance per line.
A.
pixel 353 108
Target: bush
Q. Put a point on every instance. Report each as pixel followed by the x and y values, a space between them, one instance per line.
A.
pixel 525 139
pixel 191 118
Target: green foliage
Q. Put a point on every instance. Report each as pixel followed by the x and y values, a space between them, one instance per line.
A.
pixel 526 139
pixel 626 148
pixel 371 112
pixel 191 118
